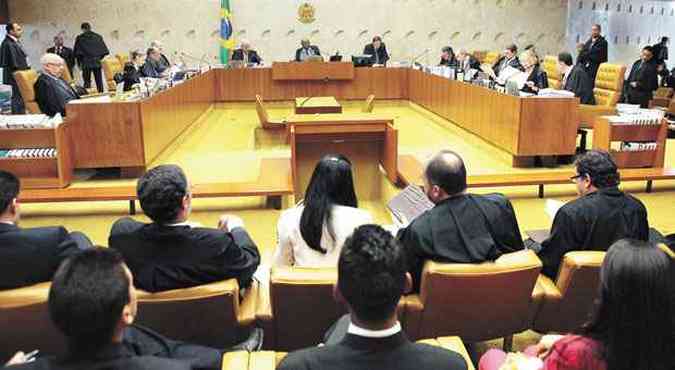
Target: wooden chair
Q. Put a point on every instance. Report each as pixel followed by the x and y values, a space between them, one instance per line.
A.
pixel 111 67
pixel 264 118
pixel 25 323
pixel 369 104
pixel 476 301
pixel 25 80
pixel 607 93
pixel 550 66
pixel 209 314
pixel 568 301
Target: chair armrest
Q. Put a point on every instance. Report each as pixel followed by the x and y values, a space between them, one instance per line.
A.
pixel 412 319
pixel 235 360
pixel 545 317
pixel 247 307
pixel 455 344
pixel 279 356
pixel 264 314
pixel 264 360
pixel 587 113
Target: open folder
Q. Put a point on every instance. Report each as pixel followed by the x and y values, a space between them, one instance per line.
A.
pixel 409 204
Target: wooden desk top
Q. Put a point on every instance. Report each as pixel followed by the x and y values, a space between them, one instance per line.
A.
pixel 316 102
pixel 341 118
pixel 323 71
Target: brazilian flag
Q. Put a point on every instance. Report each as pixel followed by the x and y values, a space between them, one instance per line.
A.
pixel 226 40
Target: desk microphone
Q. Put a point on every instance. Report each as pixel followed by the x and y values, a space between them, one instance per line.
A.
pixel 425 52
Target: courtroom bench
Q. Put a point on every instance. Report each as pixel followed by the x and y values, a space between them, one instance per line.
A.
pixel 410 171
pixel 273 182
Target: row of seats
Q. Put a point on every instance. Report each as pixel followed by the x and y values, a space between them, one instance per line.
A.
pixel 473 301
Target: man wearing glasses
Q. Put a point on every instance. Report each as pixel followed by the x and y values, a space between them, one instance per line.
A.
pixel 600 216
pixel 52 92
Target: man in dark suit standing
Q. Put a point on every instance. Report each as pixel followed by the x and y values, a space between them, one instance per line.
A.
pixel 593 53
pixel 371 279
pixel 13 58
pixel 643 79
pixel 52 92
pixel 306 50
pixel 377 51
pixel 575 79
pixel 246 54
pixel 172 253
pixel 30 256
pixel 89 50
pixel 64 52
pixel 508 59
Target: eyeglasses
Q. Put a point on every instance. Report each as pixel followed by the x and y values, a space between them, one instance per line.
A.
pixel 575 177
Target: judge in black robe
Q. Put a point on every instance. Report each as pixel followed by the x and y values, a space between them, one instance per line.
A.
pixel 536 76
pixel 377 51
pixel 602 214
pixel 461 228
pixel 448 57
pixel 89 50
pixel 643 79
pixel 593 53
pixel 467 61
pixel 246 54
pixel 64 52
pixel 52 93
pixel 508 59
pixel 575 79
pixel 306 50
pixel 12 59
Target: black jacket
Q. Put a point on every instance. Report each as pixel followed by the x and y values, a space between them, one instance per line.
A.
pixel 463 229
pixel 592 55
pixel 12 59
pixel 379 56
pixel 171 257
pixel 354 352
pixel 579 82
pixel 31 256
pixel 67 54
pixel 89 49
pixel 646 77
pixel 152 69
pixel 253 56
pixel 593 222
pixel 540 79
pixel 314 48
pixel 52 95
pixel 472 63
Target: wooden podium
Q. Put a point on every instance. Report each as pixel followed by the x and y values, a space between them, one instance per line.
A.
pixel 368 140
pixel 318 71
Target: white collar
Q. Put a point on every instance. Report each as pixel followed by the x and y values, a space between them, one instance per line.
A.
pixel 185 223
pixel 7 222
pixel 13 38
pixel 569 70
pixel 361 332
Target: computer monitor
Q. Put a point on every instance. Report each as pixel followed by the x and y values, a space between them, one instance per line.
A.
pixel 362 60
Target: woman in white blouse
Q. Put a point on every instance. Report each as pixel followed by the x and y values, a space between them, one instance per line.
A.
pixel 312 233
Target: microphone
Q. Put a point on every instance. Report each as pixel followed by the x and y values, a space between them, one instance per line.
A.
pixel 425 52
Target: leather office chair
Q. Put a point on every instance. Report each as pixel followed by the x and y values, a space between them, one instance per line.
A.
pixel 264 118
pixel 550 66
pixel 369 104
pixel 209 314
pixel 123 59
pixel 491 57
pixel 25 80
pixel 568 301
pixel 662 97
pixel 25 323
pixel 111 67
pixel 476 301
pixel 607 93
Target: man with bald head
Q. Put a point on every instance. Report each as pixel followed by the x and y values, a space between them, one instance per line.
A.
pixel 52 92
pixel 64 52
pixel 306 50
pixel 462 227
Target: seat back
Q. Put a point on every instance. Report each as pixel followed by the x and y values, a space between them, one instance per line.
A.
pixel 664 92
pixel 491 57
pixel 123 58
pixel 577 284
pixel 303 306
pixel 111 67
pixel 369 104
pixel 205 314
pixel 550 66
pixel 25 80
pixel 608 84
pixel 25 323
pixel 478 301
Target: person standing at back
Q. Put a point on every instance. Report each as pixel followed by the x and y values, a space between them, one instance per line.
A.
pixel 64 52
pixel 89 50
pixel 593 53
pixel 13 58
pixel 643 79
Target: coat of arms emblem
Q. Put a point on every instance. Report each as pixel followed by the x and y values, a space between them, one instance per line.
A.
pixel 306 13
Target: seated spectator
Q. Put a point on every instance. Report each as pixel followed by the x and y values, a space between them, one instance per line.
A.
pixel 601 215
pixel 312 233
pixel 92 301
pixel 462 227
pixel 371 279
pixel 172 253
pixel 30 256
pixel 52 92
pixel 575 79
pixel 632 327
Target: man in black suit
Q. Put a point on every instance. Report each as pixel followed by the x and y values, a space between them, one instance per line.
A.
pixel 92 301
pixel 377 51
pixel 593 53
pixel 30 256
pixel 153 64
pixel 171 252
pixel 508 59
pixel 575 79
pixel 246 54
pixel 643 79
pixel 371 279
pixel 64 52
pixel 306 50
pixel 462 227
pixel 89 50
pixel 13 58
pixel 52 92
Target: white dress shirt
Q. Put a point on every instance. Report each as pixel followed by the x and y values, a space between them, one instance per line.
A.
pixel 361 332
pixel 292 250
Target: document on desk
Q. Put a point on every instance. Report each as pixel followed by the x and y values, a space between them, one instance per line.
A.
pixel 552 207
pixel 95 99
pixel 409 204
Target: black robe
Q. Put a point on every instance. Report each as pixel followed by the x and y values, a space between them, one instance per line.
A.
pixel 501 64
pixel 253 56
pixel 164 63
pixel 579 82
pixel 592 55
pixel 53 94
pixel 462 229
pixel 646 77
pixel 152 69
pixel 540 79
pixel 450 62
pixel 379 56
pixel 89 49
pixel 593 222
pixel 12 59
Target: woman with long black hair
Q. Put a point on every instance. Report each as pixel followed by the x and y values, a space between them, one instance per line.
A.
pixel 312 233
